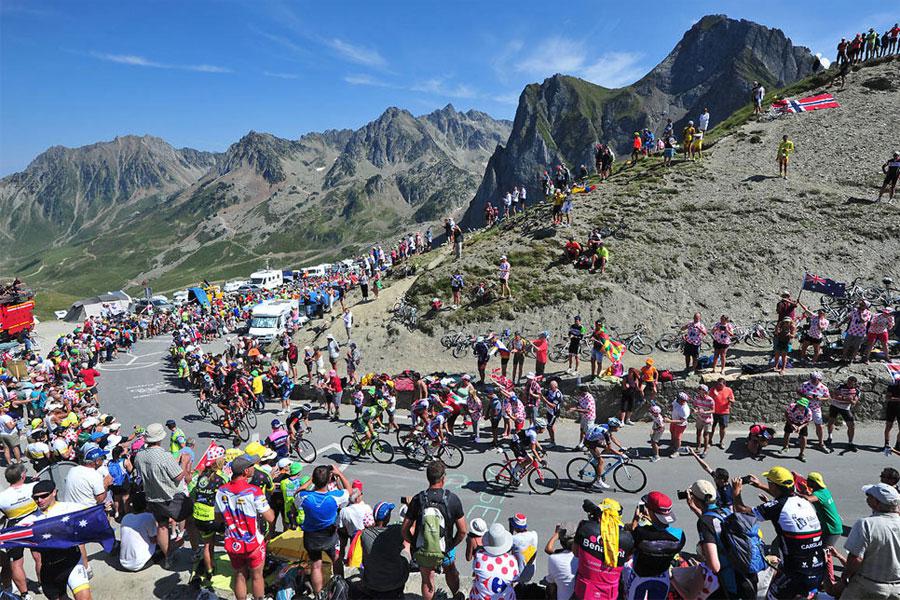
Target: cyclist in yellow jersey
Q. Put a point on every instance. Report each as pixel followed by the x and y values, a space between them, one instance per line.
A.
pixel 785 149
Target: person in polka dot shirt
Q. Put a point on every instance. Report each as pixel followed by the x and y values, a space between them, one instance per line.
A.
pixel 495 569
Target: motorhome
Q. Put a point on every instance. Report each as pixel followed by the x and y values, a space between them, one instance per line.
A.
pixel 271 318
pixel 268 279
pixel 316 271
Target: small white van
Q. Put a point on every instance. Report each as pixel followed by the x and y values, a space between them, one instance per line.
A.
pixel 271 318
pixel 268 279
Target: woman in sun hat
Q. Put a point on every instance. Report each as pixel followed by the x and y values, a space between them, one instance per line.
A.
pixel 494 568
pixel 477 529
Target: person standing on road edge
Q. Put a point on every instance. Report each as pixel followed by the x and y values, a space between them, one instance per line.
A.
pixel 320 508
pixel 428 512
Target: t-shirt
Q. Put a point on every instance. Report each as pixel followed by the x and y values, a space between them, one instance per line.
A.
pixel 89 376
pixel 384 566
pixel 138 540
pixel 561 569
pixel 828 514
pixel 158 469
pixel 681 412
pixel 452 510
pixel 320 508
pixel 355 517
pixel 799 533
pixel 785 148
pixel 83 484
pixel 654 549
pixel 540 349
pixel 845 396
pixel 241 504
pixel 876 539
pixel 525 546
pixel 722 400
pixel 16 502
pixel 493 576
pixel 586 402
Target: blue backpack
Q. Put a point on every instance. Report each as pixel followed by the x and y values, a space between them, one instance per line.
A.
pixel 740 538
pixel 117 472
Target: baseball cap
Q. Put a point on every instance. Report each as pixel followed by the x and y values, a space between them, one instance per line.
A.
pixel 884 493
pixel 296 467
pixel 243 462
pixel 779 476
pixel 44 486
pixel 660 506
pixel 816 478
pixel 284 463
pixel 383 510
pixel 703 490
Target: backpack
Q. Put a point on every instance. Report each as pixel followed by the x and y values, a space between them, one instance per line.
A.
pixel 666 375
pixel 117 472
pixel 337 589
pixel 431 531
pixel 705 361
pixel 742 543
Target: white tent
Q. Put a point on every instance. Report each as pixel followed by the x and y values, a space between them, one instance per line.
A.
pixel 99 306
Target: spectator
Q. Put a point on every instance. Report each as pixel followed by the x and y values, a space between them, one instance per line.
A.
pixel 891 414
pixel 879 331
pixel 482 355
pixel 504 278
pixel 694 333
pixel 681 412
pixel 320 507
pixel 357 515
pixel 703 120
pixel 721 334
pixel 799 533
pixel 347 317
pixel 16 504
pixel 524 546
pixel 857 325
pixel 541 348
pixel 561 564
pixel 241 504
pixel 655 546
pixel 494 569
pixel 85 485
pixel 477 529
pixel 162 477
pixel 9 436
pixel 384 568
pixel 873 547
pixel 587 409
pixel 703 418
pixel 430 511
pixel 846 396
pixel 797 418
pixel 783 335
pixel 137 547
pixel 826 509
pixel 702 500
pixel 723 398
pixel 649 381
pixel 456 285
pixel 601 546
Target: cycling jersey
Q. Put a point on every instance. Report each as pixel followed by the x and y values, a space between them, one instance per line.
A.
pixel 278 441
pixel 204 495
pixel 419 406
pixel 799 533
pixel 297 415
pixel 434 426
pixel 527 437
pixel 598 434
pixel 16 503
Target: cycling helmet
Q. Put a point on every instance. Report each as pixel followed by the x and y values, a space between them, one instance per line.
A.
pixel 614 422
pixel 277 424
pixel 170 423
pixel 540 423
pixel 307 407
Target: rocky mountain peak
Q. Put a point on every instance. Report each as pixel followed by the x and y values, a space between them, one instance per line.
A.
pixel 261 152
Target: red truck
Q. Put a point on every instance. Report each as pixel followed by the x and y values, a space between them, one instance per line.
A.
pixel 16 310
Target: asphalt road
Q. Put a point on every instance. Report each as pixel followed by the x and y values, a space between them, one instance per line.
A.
pixel 140 389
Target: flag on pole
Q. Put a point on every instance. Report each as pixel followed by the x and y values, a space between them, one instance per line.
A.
pixel 894 370
pixel 62 531
pixel 823 285
pixel 612 348
pixel 204 460
pixel 792 105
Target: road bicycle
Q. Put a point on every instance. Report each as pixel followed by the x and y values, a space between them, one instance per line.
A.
pixel 674 341
pixel 627 476
pixel 450 339
pixel 512 471
pixel 755 335
pixel 356 446
pixel 421 449
pixel 405 313
pixel 303 449
pixel 234 424
pixel 634 341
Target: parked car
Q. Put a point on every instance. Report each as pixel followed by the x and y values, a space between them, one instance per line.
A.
pixel 233 285
pixel 159 304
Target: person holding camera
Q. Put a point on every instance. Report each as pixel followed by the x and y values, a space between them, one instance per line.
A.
pixel 655 546
pixel 561 563
pixel 602 545
pixel 799 533
pixel 320 509
pixel 703 500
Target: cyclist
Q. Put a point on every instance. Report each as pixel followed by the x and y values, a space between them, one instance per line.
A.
pixel 279 438
pixel 294 419
pixel 364 423
pixel 418 411
pixel 436 427
pixel 525 444
pixel 599 439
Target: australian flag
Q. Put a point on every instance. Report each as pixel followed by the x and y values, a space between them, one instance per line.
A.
pixel 62 531
pixel 823 285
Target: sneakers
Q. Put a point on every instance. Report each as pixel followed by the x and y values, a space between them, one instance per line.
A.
pixel 629 422
pixel 654 458
pixel 602 484
pixel 887 451
pixel 801 458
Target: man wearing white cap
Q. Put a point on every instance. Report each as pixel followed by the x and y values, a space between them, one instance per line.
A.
pixel 524 546
pixel 873 547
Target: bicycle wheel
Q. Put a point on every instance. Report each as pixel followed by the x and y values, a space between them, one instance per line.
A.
pixel 448 339
pixel 305 450
pixel 415 451
pixel 460 349
pixel 250 419
pixel 497 474
pixel 629 478
pixel 451 456
pixel 582 471
pixel 758 338
pixel 202 408
pixel 639 346
pixel 382 451
pixel 543 481
pixel 213 413
pixel 669 342
pixel 351 446
pixel 559 353
pixel 584 352
pixel 243 431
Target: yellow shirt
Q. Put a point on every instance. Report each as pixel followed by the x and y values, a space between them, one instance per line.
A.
pixel 785 148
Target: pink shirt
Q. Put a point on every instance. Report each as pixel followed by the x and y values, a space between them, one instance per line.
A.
pixel 586 403
pixel 881 323
pixel 858 322
pixel 694 333
pixel 722 332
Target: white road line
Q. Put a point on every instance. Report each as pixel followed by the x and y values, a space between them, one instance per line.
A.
pixel 343 466
pixel 126 367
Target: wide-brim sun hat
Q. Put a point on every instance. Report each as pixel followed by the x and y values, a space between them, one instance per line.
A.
pixel 497 540
pixel 478 527
pixel 155 432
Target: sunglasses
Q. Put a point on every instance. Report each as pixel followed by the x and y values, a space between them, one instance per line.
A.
pixel 41 496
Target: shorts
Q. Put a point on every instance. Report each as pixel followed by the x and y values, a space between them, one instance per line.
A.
pixel 586 424
pixel 656 435
pixel 254 559
pixel 834 412
pixel 669 152
pixel 786 586
pixel 817 416
pixel 802 432
pixel 626 404
pixel 325 540
pixel 872 338
pixel 702 425
pixel 597 355
pixel 852 343
pixel 10 440
pixel 890 178
pixel 806 339
pixel 691 350
pixel 676 429
pixel 595 445
pixel 178 508
pixel 573 347
pixel 208 529
pixel 121 489
pixel 783 346
pixel 720 420
pixel 335 398
pixel 892 411
pixel 720 345
pixel 552 416
pixel 62 576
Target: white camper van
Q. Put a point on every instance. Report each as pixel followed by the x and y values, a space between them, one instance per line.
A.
pixel 271 318
pixel 269 278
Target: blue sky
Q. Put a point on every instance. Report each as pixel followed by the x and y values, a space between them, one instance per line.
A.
pixel 203 73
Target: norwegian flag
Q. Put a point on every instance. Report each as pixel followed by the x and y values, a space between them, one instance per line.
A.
pixel 792 105
pixel 823 285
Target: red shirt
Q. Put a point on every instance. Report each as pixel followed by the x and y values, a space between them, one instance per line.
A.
pixel 722 400
pixel 89 376
pixel 540 349
pixel 335 383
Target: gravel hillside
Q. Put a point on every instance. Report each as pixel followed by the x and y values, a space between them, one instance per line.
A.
pixel 721 235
